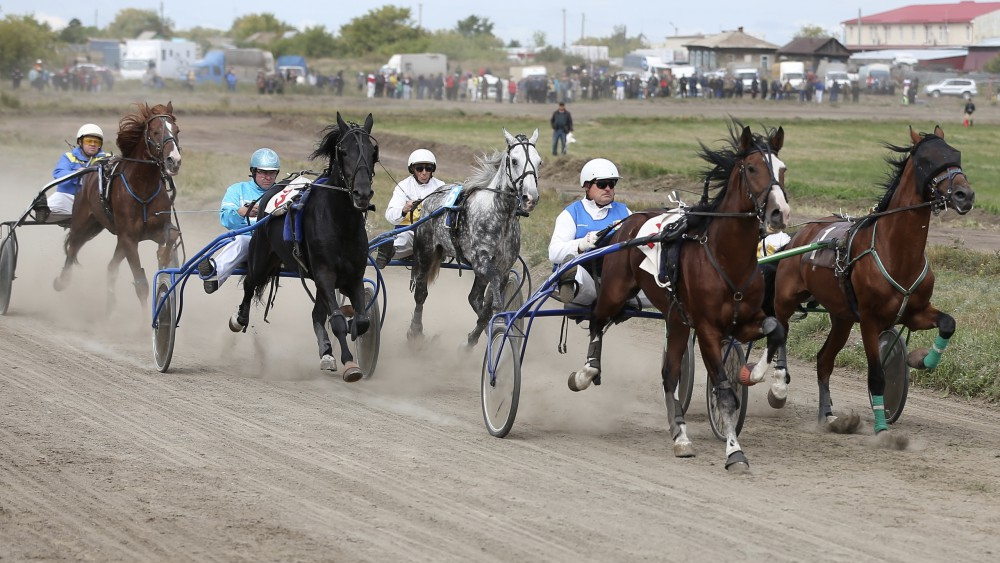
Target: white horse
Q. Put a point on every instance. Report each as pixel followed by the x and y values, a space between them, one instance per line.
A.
pixel 482 233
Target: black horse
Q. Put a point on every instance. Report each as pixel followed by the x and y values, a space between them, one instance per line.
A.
pixel 333 250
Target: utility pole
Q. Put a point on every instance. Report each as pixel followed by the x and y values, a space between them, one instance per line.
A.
pixel 583 20
pixel 420 16
pixel 564 29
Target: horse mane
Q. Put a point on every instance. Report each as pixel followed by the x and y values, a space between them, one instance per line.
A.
pixel 722 162
pixel 485 169
pixel 327 145
pixel 132 127
pixel 896 159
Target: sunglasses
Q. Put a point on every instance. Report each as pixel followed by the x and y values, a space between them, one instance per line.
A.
pixel 424 167
pixel 92 141
pixel 605 184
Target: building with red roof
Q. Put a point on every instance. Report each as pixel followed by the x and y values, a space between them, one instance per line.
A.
pixel 922 26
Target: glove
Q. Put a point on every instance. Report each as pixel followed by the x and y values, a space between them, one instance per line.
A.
pixel 588 242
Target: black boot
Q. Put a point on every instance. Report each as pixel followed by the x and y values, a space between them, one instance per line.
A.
pixel 386 251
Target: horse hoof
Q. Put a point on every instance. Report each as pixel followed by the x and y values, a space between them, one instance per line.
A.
pixel 328 363
pixel 685 449
pixel 847 424
pixel 745 372
pixel 737 463
pixel 58 284
pixel 580 380
pixel 774 401
pixel 414 334
pixel 234 323
pixel 890 440
pixel 352 372
pixel 915 359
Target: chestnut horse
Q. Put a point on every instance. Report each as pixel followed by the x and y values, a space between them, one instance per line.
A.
pixel 719 290
pixel 138 192
pixel 881 276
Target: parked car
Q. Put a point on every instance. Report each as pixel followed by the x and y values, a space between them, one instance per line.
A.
pixel 952 87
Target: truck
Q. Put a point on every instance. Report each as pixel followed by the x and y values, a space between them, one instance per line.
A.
pixel 293 67
pixel 245 64
pixel 792 72
pixel 168 59
pixel 416 64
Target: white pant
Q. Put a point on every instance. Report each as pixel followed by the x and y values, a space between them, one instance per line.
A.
pixel 60 204
pixel 230 256
pixel 403 244
pixel 586 292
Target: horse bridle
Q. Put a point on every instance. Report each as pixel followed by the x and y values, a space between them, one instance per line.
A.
pixel 529 167
pixel 760 202
pixel 930 182
pixel 155 148
pixel 362 163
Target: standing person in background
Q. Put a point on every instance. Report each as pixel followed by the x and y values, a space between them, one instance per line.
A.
pixel 511 88
pixel 562 123
pixel 970 108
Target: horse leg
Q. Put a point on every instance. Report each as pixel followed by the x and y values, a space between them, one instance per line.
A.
pixel 670 373
pixel 482 305
pixel 416 330
pixel 241 318
pixel 924 358
pixel 319 317
pixel 165 251
pixel 591 370
pixel 840 331
pixel 770 328
pixel 79 234
pixel 876 389
pixel 338 326
pixel 139 281
pixel 725 399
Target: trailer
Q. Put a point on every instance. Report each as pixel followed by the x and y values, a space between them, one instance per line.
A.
pixel 168 59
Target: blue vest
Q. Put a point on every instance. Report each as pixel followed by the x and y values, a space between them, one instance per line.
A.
pixel 585 223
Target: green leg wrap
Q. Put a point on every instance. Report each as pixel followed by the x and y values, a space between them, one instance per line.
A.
pixel 933 357
pixel 878 407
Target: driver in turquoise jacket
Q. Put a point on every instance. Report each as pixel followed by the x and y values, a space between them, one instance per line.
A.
pixel 240 209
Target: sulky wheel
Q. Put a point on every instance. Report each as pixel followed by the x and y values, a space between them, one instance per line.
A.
pixel 8 262
pixel 733 359
pixel 366 347
pixel 685 387
pixel 892 352
pixel 499 394
pixel 165 329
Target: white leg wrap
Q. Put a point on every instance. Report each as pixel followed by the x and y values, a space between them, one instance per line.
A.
pixel 732 446
pixel 779 389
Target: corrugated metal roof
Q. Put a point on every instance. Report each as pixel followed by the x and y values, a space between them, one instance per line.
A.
pixel 961 12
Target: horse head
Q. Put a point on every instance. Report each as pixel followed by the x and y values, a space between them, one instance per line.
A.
pixel 760 172
pixel 522 167
pixel 163 138
pixel 938 172
pixel 354 158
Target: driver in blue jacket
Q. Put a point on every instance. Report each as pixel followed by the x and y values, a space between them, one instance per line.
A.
pixel 88 150
pixel 240 209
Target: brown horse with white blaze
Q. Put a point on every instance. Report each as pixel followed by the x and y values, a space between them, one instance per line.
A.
pixel 719 291
pixel 138 197
pixel 880 277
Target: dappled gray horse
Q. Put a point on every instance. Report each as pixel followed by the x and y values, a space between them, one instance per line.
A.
pixel 483 231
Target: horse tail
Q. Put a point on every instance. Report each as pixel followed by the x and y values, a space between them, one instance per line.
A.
pixel 435 268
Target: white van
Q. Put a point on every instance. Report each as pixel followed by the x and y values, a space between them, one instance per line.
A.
pixel 747 76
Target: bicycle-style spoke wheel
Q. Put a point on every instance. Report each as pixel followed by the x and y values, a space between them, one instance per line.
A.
pixel 892 353
pixel 8 262
pixel 366 348
pixel 166 327
pixel 500 393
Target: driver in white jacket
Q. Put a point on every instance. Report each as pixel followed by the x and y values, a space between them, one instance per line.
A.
pixel 403 207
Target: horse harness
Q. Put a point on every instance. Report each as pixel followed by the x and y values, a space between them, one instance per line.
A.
pixel 113 168
pixel 929 177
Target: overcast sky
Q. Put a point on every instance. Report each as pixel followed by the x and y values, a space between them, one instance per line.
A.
pixel 775 21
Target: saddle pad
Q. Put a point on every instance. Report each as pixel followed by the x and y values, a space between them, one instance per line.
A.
pixel 827 257
pixel 452 197
pixel 286 195
pixel 651 263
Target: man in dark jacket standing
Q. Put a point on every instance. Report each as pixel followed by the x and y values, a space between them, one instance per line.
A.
pixel 562 123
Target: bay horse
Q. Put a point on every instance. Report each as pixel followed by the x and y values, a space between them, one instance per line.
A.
pixel 484 233
pixel 136 201
pixel 719 291
pixel 333 250
pixel 881 276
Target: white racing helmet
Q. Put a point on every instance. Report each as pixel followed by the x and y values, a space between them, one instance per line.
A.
pixel 420 155
pixel 598 169
pixel 89 130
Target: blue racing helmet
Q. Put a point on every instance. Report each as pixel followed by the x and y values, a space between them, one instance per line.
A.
pixel 265 159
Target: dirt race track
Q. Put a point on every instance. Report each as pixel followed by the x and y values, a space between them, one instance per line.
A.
pixel 245 451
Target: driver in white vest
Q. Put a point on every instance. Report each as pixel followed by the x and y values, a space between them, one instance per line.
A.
pixel 403 207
